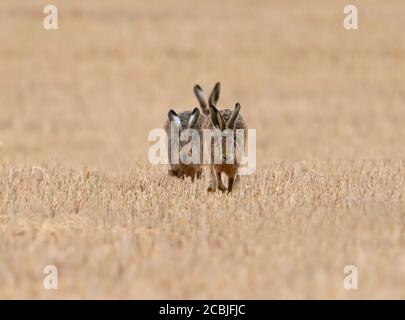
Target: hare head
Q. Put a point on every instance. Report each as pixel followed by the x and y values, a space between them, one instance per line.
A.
pixel 180 123
pixel 185 120
pixel 225 121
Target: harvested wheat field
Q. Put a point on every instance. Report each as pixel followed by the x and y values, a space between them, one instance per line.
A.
pixel 77 190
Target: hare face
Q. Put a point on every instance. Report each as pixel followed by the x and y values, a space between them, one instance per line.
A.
pixel 225 122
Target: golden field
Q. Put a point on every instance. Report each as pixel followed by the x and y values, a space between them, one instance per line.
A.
pixel 77 190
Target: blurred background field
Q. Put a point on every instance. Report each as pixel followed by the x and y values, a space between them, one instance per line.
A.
pixel 77 191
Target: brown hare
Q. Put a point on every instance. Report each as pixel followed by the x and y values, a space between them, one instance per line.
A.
pixel 174 126
pixel 226 122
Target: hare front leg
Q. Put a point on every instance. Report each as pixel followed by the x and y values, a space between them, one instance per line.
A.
pixel 219 181
pixel 199 173
pixel 231 181
pixel 213 181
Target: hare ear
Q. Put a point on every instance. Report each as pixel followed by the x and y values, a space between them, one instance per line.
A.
pixel 214 96
pixel 234 115
pixel 199 93
pixel 192 121
pixel 174 118
pixel 216 118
